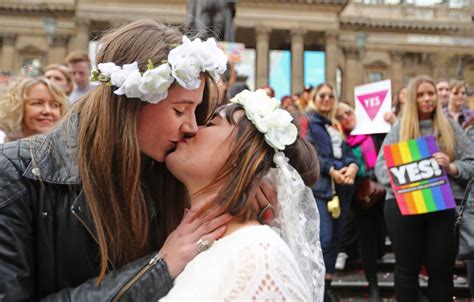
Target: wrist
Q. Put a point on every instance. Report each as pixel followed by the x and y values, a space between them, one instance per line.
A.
pixel 453 170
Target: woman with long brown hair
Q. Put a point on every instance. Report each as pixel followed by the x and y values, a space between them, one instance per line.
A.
pixel 244 142
pixel 85 209
pixel 426 238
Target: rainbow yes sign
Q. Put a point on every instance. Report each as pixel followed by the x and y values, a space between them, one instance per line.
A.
pixel 420 185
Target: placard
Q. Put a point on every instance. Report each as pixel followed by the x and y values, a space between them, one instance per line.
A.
pixel 419 184
pixel 371 102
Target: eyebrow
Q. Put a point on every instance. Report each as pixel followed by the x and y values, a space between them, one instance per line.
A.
pixel 186 101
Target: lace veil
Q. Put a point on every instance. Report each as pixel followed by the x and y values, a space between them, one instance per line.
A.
pixel 297 222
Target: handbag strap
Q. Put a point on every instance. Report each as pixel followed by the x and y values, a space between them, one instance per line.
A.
pixel 463 201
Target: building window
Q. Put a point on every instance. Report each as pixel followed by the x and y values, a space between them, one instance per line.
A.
pixel 338 82
pixel 375 76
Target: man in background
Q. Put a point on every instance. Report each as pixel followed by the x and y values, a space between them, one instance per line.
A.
pixel 80 65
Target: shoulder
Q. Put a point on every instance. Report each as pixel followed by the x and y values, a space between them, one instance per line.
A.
pixel 263 242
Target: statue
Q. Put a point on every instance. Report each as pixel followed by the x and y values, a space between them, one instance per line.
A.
pixel 216 17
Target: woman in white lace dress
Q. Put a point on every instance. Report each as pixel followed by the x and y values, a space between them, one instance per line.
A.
pixel 243 142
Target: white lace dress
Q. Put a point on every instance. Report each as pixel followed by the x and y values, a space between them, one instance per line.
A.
pixel 253 263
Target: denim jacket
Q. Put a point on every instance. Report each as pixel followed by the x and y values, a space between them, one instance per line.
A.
pixel 317 135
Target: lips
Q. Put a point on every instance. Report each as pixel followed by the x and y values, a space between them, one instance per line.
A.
pixel 45 121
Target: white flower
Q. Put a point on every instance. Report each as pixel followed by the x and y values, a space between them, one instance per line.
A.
pixel 155 83
pixel 132 82
pixel 119 77
pixel 214 59
pixel 106 69
pixel 267 116
pixel 280 137
pixel 186 64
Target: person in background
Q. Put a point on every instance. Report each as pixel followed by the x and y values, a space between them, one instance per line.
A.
pixel 31 106
pixel 236 88
pixel 369 222
pixel 61 76
pixel 456 108
pixel 338 171
pixel 80 65
pixel 268 90
pixel 443 89
pixel 426 238
pixel 398 102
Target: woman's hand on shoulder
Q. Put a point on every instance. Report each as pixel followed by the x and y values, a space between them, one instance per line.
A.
pixel 181 246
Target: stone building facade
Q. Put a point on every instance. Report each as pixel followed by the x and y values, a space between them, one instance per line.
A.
pixel 362 41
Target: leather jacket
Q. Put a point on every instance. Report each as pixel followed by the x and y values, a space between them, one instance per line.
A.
pixel 48 249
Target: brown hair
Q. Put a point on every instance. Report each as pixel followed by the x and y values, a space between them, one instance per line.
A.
pixel 456 85
pixel 249 161
pixel 117 180
pixel 12 104
pixel 64 70
pixel 410 124
pixel 77 56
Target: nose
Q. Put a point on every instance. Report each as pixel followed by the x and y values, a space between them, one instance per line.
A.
pixel 46 109
pixel 190 127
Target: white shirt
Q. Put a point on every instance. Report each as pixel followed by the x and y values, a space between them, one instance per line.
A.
pixel 252 263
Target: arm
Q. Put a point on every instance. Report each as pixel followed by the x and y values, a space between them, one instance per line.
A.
pixel 464 156
pixel 326 162
pixel 381 171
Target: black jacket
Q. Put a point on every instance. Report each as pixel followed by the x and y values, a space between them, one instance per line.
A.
pixel 48 248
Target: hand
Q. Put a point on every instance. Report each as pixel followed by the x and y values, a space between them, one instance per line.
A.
pixel 443 161
pixel 390 117
pixel 181 245
pixel 337 176
pixel 349 173
pixel 263 195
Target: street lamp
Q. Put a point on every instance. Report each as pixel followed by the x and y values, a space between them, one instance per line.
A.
pixel 49 26
pixel 361 39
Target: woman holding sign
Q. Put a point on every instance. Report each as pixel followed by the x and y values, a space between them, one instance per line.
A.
pixel 333 191
pixel 424 237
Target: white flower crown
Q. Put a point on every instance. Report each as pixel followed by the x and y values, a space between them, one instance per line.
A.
pixel 184 64
pixel 265 113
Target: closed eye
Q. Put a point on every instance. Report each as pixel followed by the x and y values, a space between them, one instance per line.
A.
pixel 178 113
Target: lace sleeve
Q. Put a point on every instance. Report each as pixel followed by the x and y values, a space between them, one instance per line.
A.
pixel 268 272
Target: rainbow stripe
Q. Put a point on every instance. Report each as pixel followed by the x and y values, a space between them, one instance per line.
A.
pixel 433 194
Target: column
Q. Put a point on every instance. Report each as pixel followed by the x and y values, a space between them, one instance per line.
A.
pixel 263 35
pixel 396 70
pixel 81 39
pixel 297 52
pixel 57 50
pixel 351 74
pixel 8 51
pixel 331 57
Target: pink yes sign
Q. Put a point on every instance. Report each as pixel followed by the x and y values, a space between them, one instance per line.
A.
pixel 372 102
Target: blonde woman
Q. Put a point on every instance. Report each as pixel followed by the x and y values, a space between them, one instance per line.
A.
pixel 426 238
pixel 338 171
pixel 31 106
pixel 60 75
pixel 456 108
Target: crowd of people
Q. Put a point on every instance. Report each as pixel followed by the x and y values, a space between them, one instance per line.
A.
pixel 135 186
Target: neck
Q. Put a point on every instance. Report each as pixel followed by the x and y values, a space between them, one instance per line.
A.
pixel 453 108
pixel 235 225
